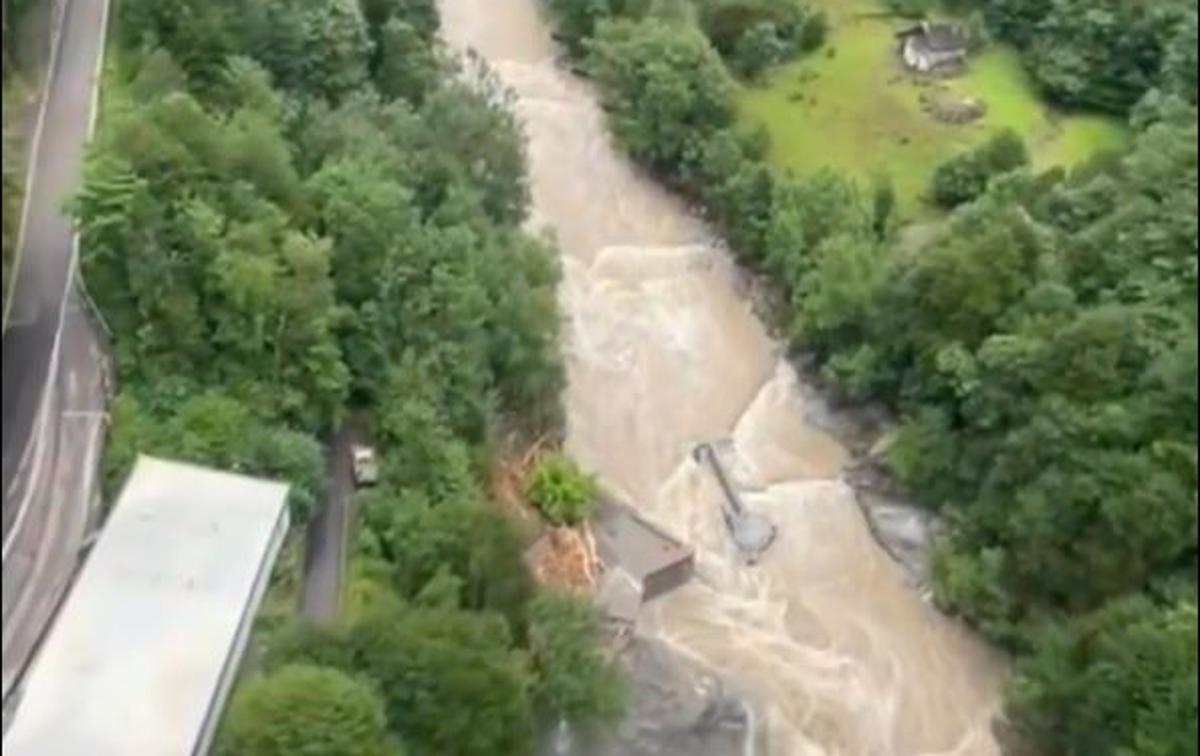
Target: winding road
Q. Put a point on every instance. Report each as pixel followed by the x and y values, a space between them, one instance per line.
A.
pixel 54 385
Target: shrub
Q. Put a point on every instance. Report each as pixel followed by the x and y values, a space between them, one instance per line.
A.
pixel 814 32
pixel 564 493
pixel 1005 152
pixel 958 180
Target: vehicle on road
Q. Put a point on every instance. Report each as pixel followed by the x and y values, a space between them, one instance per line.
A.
pixel 364 464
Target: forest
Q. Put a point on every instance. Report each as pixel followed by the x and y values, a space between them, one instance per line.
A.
pixel 297 210
pixel 1039 349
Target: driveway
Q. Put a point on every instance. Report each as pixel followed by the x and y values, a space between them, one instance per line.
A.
pixel 328 533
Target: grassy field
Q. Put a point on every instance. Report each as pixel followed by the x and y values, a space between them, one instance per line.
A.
pixel 852 106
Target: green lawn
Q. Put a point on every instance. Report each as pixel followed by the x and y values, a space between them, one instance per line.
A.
pixel 852 107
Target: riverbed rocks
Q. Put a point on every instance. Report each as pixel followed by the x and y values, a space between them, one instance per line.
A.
pixel 906 532
pixel 948 107
pixel 676 709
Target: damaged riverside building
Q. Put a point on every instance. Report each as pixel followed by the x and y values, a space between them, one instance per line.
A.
pixel 641 563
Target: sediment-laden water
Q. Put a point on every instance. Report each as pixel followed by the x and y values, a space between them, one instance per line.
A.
pixel 824 647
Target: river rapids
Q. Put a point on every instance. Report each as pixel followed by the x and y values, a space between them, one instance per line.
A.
pixel 822 648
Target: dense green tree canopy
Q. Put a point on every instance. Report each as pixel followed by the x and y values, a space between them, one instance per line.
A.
pixel 419 540
pixel 302 709
pixel 451 680
pixel 965 177
pixel 577 20
pixel 753 35
pixel 1102 54
pixel 573 679
pixel 1118 681
pixel 664 86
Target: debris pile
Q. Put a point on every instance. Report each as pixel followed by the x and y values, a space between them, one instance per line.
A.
pixel 561 558
pixel 565 559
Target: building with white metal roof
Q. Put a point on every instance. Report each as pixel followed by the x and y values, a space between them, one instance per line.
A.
pixel 146 647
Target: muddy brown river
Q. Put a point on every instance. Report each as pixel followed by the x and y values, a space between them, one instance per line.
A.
pixel 828 646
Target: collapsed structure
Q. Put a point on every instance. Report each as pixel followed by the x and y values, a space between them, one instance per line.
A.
pixel 641 563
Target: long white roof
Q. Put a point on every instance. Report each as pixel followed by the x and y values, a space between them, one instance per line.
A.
pixel 142 654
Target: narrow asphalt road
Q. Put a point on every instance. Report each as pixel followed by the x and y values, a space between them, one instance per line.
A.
pixel 328 533
pixel 45 258
pixel 53 369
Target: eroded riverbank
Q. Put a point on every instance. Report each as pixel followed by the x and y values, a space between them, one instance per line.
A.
pixel 826 643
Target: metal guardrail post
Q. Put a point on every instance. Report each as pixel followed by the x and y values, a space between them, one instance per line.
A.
pixel 103 336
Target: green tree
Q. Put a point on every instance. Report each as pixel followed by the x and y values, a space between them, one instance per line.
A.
pixel 1101 54
pixel 1016 20
pixel 1179 60
pixel 1120 681
pixel 837 298
pixel 805 212
pixel 965 177
pixel 418 538
pixel 191 251
pixel 473 137
pixel 408 63
pixel 758 49
pixel 727 23
pixel 452 682
pixel 201 45
pixel 574 680
pixel 578 20
pixel 737 187
pixel 213 429
pixel 421 15
pixel 305 709
pixel 338 48
pixel 665 88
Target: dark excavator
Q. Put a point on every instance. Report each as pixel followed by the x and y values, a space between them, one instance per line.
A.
pixel 752 533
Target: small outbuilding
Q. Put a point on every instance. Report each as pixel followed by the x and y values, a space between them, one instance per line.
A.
pixel 929 48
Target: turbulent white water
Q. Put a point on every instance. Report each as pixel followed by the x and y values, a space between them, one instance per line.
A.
pixel 824 639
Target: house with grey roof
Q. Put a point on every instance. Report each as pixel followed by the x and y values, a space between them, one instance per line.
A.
pixel 929 48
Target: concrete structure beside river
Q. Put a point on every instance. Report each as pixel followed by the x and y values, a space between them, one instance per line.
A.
pixel 147 646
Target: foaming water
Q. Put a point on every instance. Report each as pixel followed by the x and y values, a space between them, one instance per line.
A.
pixel 831 649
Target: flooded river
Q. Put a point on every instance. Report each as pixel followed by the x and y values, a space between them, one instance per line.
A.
pixel 826 644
